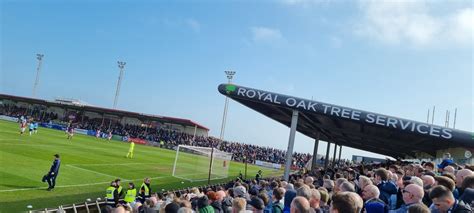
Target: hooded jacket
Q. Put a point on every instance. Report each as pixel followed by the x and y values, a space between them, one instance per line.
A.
pixel 386 189
pixel 217 205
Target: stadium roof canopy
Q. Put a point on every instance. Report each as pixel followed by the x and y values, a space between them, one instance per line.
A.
pixel 383 134
pixel 101 110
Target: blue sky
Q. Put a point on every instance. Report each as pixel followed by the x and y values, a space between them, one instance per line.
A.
pixel 395 58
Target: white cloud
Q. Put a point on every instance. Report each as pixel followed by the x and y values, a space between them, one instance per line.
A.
pixel 193 24
pixel 461 26
pixel 397 22
pixel 265 34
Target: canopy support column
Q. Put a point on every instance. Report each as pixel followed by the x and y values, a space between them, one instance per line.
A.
pixel 340 151
pixel 315 153
pixel 326 161
pixel 334 155
pixel 291 143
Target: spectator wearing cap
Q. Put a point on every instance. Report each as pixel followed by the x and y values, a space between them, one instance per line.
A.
pixel 444 201
pixel 446 161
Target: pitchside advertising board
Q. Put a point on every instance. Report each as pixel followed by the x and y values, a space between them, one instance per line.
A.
pixel 334 111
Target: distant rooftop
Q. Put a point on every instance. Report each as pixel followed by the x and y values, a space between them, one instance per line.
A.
pixel 71 101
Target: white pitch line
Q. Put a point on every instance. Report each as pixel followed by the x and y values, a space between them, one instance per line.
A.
pixel 110 164
pixel 96 172
pixel 76 185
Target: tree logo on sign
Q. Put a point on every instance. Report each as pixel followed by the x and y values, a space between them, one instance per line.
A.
pixel 229 88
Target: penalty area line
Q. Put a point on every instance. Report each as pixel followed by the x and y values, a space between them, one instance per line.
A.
pixel 99 173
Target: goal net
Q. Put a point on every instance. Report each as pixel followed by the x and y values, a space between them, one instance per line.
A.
pixel 192 163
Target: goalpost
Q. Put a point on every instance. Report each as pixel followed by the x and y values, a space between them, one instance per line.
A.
pixel 193 163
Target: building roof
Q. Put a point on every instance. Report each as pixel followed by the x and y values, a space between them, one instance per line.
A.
pixel 89 108
pixel 378 133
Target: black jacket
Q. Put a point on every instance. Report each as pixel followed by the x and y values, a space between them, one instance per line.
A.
pixel 217 205
pixel 55 167
pixel 467 196
pixel 462 207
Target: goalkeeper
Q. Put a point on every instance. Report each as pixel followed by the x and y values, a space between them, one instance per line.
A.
pixel 130 150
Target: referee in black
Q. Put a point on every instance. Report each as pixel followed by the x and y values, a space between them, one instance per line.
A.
pixel 53 173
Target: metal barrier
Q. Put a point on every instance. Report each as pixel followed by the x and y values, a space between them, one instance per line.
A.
pixel 73 207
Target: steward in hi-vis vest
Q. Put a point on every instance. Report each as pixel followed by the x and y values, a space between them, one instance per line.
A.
pixel 112 195
pixel 131 193
pixel 145 190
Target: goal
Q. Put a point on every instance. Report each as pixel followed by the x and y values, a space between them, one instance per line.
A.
pixel 192 163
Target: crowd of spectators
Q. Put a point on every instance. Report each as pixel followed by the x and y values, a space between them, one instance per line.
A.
pixel 241 152
pixel 37 113
pixel 393 187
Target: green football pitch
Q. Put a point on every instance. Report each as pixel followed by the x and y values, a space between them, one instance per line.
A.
pixel 87 167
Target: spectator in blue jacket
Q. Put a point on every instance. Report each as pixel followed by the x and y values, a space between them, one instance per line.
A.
pixel 386 188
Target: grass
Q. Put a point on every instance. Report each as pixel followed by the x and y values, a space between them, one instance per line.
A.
pixel 87 167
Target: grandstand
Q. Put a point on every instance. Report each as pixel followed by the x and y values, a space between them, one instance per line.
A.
pixel 72 110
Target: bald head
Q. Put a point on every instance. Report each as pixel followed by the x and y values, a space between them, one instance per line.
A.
pixel 427 180
pixel 449 169
pixel 220 195
pixel 300 205
pixel 461 175
pixel 413 194
pixel 309 180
